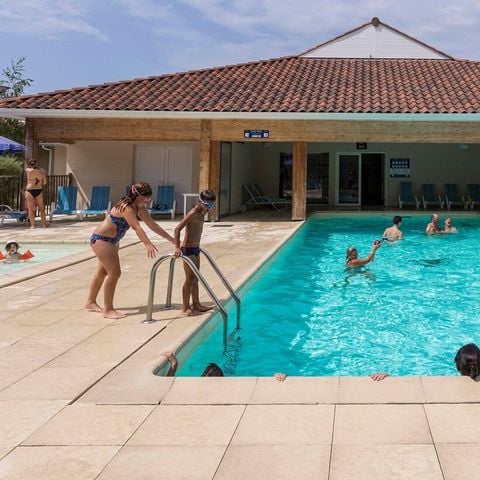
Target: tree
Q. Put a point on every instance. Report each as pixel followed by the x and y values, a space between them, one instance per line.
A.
pixel 14 84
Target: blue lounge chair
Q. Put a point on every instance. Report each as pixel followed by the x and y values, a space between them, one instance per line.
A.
pixel 66 202
pixel 430 197
pixel 452 198
pixel 406 196
pixel 7 212
pixel 473 190
pixel 99 201
pixel 165 201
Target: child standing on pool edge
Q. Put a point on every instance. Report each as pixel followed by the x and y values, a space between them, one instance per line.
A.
pixel 193 224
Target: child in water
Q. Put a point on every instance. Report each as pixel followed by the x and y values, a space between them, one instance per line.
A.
pixel 12 253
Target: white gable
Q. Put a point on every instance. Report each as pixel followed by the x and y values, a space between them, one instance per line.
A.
pixel 371 41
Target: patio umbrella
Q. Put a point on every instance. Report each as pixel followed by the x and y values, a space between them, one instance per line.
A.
pixel 10 146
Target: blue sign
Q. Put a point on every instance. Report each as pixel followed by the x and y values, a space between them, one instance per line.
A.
pixel 256 133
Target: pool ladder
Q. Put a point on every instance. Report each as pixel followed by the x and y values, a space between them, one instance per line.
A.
pixel 201 279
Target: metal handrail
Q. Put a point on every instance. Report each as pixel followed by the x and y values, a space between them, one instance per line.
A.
pixel 227 285
pixel 199 276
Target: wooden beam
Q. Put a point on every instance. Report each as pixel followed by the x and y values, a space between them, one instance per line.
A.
pixel 349 131
pixel 205 144
pixel 299 181
pixel 214 177
pixel 31 143
pixel 68 130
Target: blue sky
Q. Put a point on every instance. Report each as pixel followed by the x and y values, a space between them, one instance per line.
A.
pixel 70 43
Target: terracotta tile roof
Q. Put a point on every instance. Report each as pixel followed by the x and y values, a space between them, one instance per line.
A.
pixel 288 84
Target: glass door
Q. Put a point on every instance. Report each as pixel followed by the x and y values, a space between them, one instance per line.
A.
pixel 349 181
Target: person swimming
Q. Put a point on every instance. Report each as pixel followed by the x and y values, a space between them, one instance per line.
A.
pixel 352 260
pixel 393 233
pixel 12 253
pixel 448 227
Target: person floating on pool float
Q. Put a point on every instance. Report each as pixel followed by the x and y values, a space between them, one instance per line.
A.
pixel 352 260
pixel 448 227
pixel 12 253
pixel 433 227
pixel 105 243
pixel 393 233
pixel 193 224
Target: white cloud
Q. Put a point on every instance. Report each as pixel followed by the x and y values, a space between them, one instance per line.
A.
pixel 52 18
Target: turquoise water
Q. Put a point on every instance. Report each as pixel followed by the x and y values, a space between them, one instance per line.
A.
pixel 407 313
pixel 43 252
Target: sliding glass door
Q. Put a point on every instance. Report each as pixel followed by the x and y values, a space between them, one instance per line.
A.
pixel 348 179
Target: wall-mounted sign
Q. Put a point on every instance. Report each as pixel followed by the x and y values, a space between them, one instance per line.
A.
pixel 361 146
pixel 399 167
pixel 256 133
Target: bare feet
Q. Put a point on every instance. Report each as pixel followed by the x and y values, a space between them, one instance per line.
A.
pixel 201 308
pixel 113 314
pixel 94 307
pixel 189 313
pixel 379 376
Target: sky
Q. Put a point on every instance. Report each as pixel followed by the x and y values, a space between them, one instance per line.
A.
pixel 70 43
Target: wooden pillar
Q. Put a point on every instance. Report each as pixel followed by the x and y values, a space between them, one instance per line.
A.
pixel 214 179
pixel 31 143
pixel 299 181
pixel 205 146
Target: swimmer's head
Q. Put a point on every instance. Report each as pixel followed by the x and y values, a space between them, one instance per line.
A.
pixel 397 220
pixel 212 370
pixel 448 222
pixel 467 360
pixel 352 253
pixel 12 246
pixel 207 198
pixel 435 218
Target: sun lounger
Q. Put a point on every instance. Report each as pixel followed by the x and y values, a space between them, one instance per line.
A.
pixel 452 198
pixel 256 197
pixel 430 197
pixel 473 190
pixel 165 203
pixel 8 213
pixel 406 196
pixel 66 202
pixel 99 201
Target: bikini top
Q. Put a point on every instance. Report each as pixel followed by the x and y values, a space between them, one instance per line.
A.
pixel 122 227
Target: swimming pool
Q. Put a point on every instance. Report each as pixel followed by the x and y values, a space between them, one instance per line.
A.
pixel 44 252
pixel 407 313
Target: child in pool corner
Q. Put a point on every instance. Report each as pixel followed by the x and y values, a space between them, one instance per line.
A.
pixel 190 247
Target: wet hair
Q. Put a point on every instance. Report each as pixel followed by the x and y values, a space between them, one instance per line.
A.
pixel 212 369
pixel 349 251
pixel 208 196
pixel 32 163
pixel 141 188
pixel 397 219
pixel 467 360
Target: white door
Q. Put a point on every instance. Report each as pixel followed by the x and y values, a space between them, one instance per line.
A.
pixel 150 165
pixel 179 171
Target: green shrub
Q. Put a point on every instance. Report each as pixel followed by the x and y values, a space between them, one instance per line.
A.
pixel 11 165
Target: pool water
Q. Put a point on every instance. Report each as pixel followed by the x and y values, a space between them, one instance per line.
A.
pixel 43 252
pixel 407 313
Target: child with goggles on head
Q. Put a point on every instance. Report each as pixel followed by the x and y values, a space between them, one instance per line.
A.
pixel 190 247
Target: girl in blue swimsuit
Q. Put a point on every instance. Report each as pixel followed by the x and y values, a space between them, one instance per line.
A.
pixel 105 243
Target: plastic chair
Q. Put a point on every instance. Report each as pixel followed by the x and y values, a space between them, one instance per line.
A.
pixel 257 198
pixel 66 202
pixel 430 197
pixel 452 198
pixel 99 201
pixel 165 202
pixel 406 196
pixel 473 190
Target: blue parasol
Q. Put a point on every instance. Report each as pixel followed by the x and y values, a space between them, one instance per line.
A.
pixel 10 146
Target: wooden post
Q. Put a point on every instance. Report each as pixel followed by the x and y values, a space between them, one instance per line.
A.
pixel 299 181
pixel 205 145
pixel 214 179
pixel 30 140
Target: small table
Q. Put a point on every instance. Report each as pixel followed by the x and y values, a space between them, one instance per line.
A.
pixel 185 196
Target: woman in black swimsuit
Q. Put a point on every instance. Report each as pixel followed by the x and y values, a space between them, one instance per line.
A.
pixel 36 179
pixel 105 242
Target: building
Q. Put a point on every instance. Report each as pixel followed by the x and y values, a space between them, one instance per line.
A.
pixel 340 124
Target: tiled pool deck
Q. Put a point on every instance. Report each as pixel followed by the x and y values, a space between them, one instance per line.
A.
pixel 78 399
